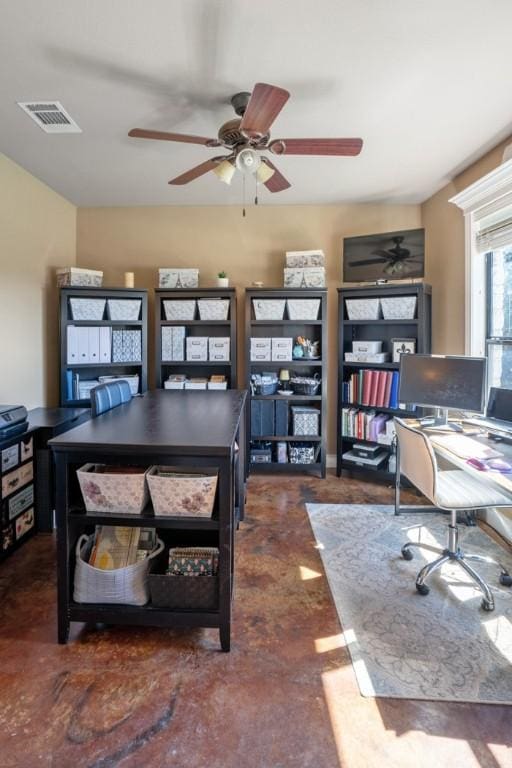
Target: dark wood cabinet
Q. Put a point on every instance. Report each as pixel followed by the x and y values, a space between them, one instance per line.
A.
pixel 72 365
pixel 417 328
pixel 266 408
pixel 196 327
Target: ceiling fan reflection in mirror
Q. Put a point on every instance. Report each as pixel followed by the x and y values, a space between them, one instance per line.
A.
pixel 246 136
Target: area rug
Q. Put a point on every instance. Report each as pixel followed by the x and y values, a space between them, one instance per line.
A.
pixel 441 646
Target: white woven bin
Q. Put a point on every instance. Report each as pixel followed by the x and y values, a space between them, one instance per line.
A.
pixel 269 309
pixel 180 309
pixel 104 492
pixel 87 309
pixel 398 307
pixel 124 586
pixel 123 309
pixel 363 309
pixel 303 309
pixel 175 496
pixel 213 309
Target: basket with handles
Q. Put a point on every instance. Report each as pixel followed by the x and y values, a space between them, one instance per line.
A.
pixel 124 586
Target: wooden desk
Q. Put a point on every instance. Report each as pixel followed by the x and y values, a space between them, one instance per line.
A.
pixel 168 428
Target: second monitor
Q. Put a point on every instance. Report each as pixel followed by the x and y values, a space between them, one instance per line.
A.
pixel 443 382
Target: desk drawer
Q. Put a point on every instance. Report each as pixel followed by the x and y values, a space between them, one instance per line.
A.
pixel 20 502
pixel 14 480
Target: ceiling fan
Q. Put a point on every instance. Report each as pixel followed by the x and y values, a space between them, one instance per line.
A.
pixel 399 258
pixel 246 136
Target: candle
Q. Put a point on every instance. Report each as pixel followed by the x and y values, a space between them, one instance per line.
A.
pixel 129 279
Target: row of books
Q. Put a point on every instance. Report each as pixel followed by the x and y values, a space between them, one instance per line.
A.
pixel 365 425
pixel 372 387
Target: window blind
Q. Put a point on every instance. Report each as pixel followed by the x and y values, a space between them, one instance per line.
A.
pixel 494 226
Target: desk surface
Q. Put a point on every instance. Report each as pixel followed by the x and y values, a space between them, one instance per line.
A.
pixel 498 480
pixel 51 418
pixel 176 422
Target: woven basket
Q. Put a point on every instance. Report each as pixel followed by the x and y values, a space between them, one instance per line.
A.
pixel 200 593
pixel 125 586
pixel 303 385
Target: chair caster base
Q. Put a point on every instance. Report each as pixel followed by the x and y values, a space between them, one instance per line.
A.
pixel 407 554
pixel 422 589
pixel 505 580
pixel 486 605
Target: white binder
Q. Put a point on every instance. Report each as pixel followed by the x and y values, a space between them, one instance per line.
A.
pixel 72 342
pixel 105 344
pixel 83 344
pixel 94 344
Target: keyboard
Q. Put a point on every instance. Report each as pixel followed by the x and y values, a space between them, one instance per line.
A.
pixel 464 447
pixel 490 424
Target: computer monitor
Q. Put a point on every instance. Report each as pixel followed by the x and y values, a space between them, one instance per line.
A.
pixel 441 382
pixel 499 404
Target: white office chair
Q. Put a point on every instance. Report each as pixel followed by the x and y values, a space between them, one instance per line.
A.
pixel 450 490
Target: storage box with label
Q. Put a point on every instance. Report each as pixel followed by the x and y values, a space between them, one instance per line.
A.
pixel 282 348
pixel 305 259
pixel 308 277
pixel 219 348
pixel 172 277
pixel 197 348
pixel 366 347
pixel 261 349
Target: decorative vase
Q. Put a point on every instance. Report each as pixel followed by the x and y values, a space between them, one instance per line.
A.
pixel 223 282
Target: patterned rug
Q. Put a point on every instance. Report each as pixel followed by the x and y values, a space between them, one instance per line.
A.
pixel 441 646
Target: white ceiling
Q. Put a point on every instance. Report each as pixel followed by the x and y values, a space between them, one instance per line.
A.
pixel 425 84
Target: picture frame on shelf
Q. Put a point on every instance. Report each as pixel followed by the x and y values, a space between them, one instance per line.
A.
pixel 401 347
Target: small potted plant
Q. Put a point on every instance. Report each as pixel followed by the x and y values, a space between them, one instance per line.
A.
pixel 222 280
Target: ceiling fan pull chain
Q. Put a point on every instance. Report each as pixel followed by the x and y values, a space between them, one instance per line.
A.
pixel 256 192
pixel 243 194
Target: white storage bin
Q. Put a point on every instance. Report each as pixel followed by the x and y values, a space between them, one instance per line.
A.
pixel 126 586
pixel 87 309
pixel 112 492
pixel 399 307
pixel 269 309
pixel 363 309
pixel 133 381
pixel 123 309
pixel 301 259
pixel 261 349
pixel 282 348
pixel 219 348
pixel 78 277
pixel 366 347
pixel 171 277
pixel 307 277
pixel 213 309
pixel 180 309
pixel 197 348
pixel 303 309
pixel 183 493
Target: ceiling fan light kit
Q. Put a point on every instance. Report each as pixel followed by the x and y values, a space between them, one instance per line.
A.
pixel 249 134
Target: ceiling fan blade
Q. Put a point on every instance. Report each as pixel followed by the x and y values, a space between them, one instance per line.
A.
pixel 277 181
pixel 265 104
pixel 199 170
pixel 385 254
pixel 316 146
pixel 366 262
pixel 142 133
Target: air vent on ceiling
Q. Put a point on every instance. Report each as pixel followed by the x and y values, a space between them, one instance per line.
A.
pixel 50 116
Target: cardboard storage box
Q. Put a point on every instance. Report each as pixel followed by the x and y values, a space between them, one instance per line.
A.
pixel 282 348
pixel 261 349
pixel 79 278
pixel 197 348
pixel 302 259
pixel 170 277
pixel 308 277
pixel 219 348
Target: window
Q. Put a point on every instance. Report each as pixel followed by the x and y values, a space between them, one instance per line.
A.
pixel 499 317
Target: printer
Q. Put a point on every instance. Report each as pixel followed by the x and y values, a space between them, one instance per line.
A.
pixel 13 420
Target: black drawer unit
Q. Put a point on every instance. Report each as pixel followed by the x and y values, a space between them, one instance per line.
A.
pixel 18 504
